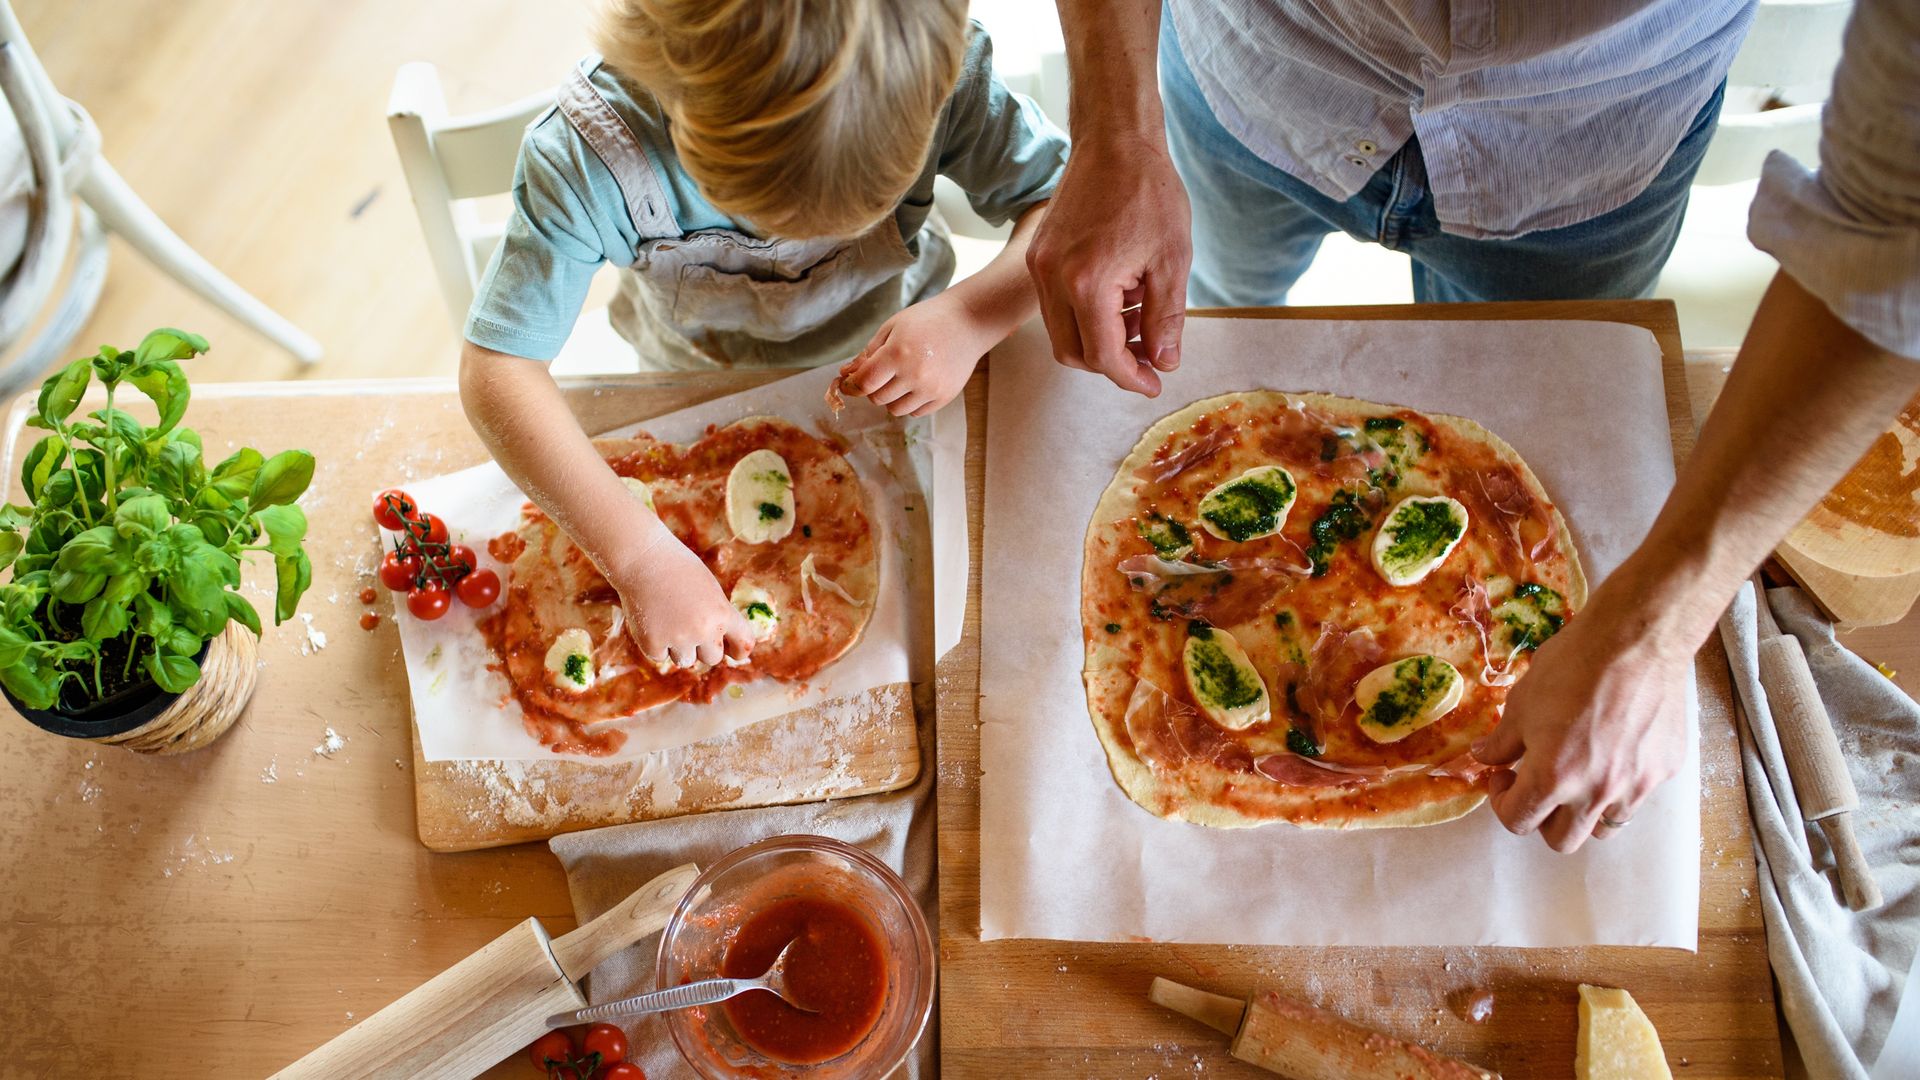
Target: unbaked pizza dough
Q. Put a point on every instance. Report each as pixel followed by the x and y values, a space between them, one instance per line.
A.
pixel 1316 601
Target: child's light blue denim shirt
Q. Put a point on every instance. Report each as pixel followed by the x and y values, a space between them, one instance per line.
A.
pixel 569 215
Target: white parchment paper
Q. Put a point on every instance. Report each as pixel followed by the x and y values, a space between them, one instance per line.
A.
pixel 1066 855
pixel 463 710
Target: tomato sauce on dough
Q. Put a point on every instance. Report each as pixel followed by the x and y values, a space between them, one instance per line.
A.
pixel 836 968
pixel 552 586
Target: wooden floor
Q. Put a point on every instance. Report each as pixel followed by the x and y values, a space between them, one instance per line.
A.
pixel 257 130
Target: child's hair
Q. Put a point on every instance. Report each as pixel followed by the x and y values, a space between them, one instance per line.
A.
pixel 804 117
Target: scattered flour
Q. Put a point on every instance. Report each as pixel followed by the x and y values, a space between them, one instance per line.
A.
pixel 316 638
pixel 271 774
pixel 331 743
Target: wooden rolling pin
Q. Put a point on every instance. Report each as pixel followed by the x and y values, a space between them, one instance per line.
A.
pixel 1304 1042
pixel 489 1006
pixel 1820 778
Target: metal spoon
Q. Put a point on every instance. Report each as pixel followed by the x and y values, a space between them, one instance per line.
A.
pixel 704 992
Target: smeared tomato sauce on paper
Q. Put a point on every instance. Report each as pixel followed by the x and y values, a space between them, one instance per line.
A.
pixel 552 586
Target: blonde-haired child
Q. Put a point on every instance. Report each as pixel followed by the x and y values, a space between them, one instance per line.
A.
pixel 763 172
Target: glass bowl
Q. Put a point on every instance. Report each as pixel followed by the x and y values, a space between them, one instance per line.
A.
pixel 732 890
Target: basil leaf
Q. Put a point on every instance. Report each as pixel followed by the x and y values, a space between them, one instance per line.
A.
pixel 178 473
pixel 142 517
pixel 10 544
pixel 106 616
pixel 166 384
pixel 60 395
pixel 286 526
pixel 282 478
pixel 241 611
pixel 167 343
pixel 30 682
pixel 292 575
pixel 234 477
pixel 155 617
pixel 173 673
pixel 13 646
pixel 47 455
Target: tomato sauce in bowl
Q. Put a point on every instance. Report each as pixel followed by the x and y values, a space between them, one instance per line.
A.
pixel 862 958
pixel 835 969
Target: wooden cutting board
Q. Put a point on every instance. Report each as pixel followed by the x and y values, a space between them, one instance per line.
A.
pixel 369 435
pixel 1057 1008
pixel 1849 551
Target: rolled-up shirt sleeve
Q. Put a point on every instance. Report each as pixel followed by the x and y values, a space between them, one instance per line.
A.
pixel 1850 233
pixel 538 276
pixel 995 144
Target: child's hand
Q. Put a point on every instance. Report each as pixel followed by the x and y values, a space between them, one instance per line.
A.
pixel 920 359
pixel 676 612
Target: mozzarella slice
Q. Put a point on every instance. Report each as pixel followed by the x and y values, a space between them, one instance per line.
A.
pixel 1224 682
pixel 1400 698
pixel 757 605
pixel 640 490
pixel 570 660
pixel 1418 535
pixel 760 498
pixel 1249 506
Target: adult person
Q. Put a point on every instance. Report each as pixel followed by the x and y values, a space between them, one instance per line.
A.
pixel 1514 151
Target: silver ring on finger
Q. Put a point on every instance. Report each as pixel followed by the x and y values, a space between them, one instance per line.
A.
pixel 1609 823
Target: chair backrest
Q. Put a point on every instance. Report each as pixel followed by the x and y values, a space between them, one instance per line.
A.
pixel 449 160
pixel 1789 55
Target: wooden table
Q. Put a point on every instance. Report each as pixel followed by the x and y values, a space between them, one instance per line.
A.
pixel 1048 1008
pixel 223 912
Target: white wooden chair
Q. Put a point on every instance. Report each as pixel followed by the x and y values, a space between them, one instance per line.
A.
pixel 62 147
pixel 1776 89
pixel 451 161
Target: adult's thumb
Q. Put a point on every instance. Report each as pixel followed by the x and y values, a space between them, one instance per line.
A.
pixel 1503 747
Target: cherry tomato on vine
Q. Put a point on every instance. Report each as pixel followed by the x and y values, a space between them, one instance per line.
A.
pixel 606 1040
pixel 436 529
pixel 391 506
pixel 477 590
pixel 429 600
pixel 622 1070
pixel 460 559
pixel 551 1052
pixel 398 572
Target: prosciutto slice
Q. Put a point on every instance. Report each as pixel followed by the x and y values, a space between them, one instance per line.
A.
pixel 1292 770
pixel 1513 507
pixel 1168 733
pixel 1473 608
pixel 1225 593
pixel 1334 667
pixel 1168 464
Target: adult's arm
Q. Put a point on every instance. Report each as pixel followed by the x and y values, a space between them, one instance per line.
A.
pixel 1596 724
pixel 1117 235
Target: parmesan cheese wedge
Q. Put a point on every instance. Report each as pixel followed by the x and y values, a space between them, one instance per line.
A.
pixel 760 498
pixel 1417 535
pixel 640 490
pixel 1249 506
pixel 757 605
pixel 1225 684
pixel 1400 698
pixel 1617 1041
pixel 570 660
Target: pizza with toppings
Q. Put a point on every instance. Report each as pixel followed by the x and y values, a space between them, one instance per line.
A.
pixel 1306 608
pixel 776 513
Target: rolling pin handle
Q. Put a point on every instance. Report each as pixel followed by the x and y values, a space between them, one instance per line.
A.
pixel 1217 1011
pixel 627 922
pixel 1857 885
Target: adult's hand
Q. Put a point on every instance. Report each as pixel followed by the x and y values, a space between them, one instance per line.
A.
pixel 1596 724
pixel 1110 261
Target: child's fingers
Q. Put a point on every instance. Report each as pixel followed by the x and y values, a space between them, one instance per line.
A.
pixel 872 376
pixel 907 404
pixel 710 653
pixel 891 390
pixel 740 640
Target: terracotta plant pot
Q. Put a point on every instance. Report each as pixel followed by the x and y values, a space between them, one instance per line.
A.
pixel 149 720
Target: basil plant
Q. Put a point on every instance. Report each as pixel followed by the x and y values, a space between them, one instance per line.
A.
pixel 127 560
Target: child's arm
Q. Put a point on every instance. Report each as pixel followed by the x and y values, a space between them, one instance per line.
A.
pixel 675 609
pixel 921 358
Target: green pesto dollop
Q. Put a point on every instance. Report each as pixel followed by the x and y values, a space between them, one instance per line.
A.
pixel 771 511
pixel 1302 743
pixel 1217 678
pixel 1417 681
pixel 1342 521
pixel 1113 628
pixel 575 669
pixel 759 610
pixel 1250 506
pixel 1384 423
pixel 1530 616
pixel 1169 538
pixel 1421 530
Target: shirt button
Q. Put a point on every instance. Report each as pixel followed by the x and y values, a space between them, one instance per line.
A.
pixel 1362 162
pixel 1367 146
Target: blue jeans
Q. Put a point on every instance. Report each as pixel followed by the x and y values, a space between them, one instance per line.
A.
pixel 1256 227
